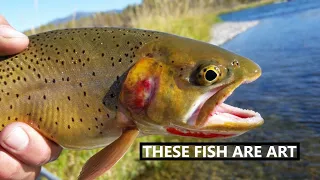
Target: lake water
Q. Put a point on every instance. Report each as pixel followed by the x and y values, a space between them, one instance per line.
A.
pixel 286 44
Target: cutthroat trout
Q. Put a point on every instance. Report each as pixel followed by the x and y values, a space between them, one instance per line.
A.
pixel 93 87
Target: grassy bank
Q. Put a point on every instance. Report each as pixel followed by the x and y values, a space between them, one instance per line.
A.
pixel 185 18
pixel 245 6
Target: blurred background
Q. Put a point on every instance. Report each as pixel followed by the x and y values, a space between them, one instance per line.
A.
pixel 281 36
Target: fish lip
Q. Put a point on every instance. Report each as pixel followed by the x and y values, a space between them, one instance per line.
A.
pixel 223 119
pixel 189 132
pixel 209 105
pixel 220 129
pixel 234 118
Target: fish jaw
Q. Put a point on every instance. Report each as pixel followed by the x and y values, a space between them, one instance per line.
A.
pixel 223 122
pixel 215 119
pixel 233 118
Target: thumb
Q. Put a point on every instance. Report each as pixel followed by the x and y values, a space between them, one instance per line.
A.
pixel 11 41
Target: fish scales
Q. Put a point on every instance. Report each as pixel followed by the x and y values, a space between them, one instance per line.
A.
pixel 65 84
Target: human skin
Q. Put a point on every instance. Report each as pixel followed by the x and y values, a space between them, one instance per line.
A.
pixel 22 149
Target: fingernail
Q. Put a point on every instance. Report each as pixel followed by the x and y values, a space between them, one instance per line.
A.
pixel 17 139
pixel 8 32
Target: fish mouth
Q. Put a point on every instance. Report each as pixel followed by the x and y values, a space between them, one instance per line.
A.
pixel 215 119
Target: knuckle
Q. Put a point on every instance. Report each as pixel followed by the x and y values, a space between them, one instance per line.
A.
pixel 10 172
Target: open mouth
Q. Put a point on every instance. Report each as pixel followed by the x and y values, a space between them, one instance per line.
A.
pixel 214 119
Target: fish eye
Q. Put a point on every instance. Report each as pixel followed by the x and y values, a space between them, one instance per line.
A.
pixel 211 75
pixel 207 75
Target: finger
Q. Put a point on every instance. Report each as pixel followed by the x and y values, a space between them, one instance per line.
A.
pixel 11 41
pixel 13 169
pixel 27 145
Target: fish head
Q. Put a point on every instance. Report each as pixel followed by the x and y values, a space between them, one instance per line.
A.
pixel 178 86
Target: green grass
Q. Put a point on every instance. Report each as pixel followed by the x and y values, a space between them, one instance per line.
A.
pixel 179 19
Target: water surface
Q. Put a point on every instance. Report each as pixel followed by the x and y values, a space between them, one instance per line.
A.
pixel 286 44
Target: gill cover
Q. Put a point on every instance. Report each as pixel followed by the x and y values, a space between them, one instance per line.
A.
pixel 150 93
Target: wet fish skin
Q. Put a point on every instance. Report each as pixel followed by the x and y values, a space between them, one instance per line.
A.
pixel 66 83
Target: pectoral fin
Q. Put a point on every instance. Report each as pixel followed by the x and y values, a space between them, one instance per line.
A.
pixel 107 157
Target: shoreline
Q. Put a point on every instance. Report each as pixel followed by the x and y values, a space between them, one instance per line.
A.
pixel 226 31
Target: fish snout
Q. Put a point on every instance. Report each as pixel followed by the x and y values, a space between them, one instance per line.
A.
pixel 251 71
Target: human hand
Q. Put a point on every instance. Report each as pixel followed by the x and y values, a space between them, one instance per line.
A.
pixel 22 149
pixel 11 41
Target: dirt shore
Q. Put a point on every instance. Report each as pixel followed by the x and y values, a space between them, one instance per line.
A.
pixel 225 31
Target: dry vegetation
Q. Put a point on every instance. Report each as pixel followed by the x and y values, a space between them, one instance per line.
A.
pixel 188 18
pixel 191 18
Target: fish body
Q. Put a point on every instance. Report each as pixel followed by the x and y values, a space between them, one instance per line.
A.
pixel 66 84
pixel 84 88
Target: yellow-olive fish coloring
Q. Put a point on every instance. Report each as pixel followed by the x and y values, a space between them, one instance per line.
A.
pixel 93 87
